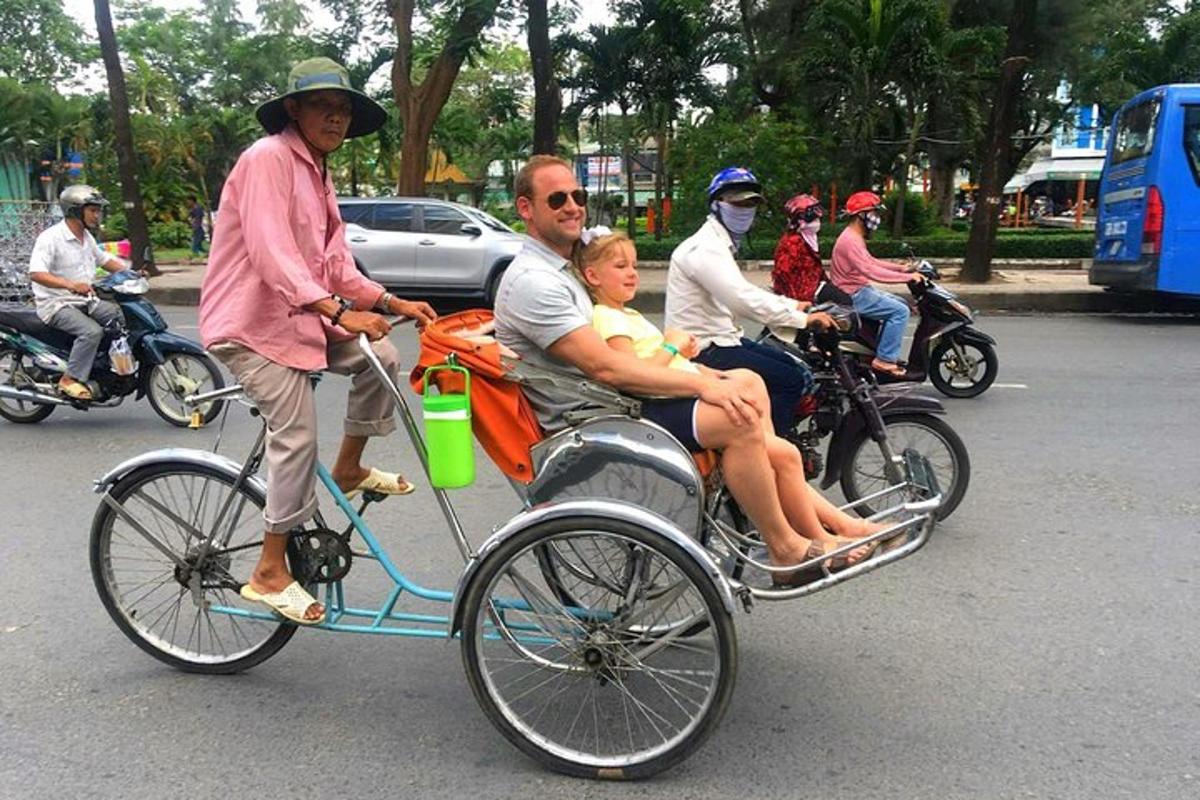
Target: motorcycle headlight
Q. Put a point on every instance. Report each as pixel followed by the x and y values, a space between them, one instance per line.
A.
pixel 963 309
pixel 136 286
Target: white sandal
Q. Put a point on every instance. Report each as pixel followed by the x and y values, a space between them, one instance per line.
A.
pixel 290 604
pixel 383 483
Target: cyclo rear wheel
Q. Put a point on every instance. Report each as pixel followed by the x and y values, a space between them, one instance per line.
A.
pixel 162 602
pixel 613 687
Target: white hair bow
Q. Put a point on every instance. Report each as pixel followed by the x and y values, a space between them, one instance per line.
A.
pixel 590 235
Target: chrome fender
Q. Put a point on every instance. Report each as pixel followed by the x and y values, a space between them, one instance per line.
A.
pixel 626 512
pixel 201 458
pixel 617 458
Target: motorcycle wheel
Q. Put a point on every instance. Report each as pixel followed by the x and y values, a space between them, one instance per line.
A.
pixel 966 375
pixel 199 373
pixel 18 411
pixel 863 472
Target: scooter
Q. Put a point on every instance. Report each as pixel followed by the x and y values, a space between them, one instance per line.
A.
pixel 148 361
pixel 958 360
pixel 869 427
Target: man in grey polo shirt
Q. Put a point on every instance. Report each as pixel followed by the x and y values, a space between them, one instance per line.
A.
pixel 544 314
pixel 538 302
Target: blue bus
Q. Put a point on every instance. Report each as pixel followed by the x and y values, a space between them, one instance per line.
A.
pixel 1148 216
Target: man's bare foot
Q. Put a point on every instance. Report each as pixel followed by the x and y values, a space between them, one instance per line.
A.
pixel 347 480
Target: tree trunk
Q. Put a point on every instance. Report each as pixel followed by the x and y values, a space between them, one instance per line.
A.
pixel 420 104
pixel 995 166
pixel 660 138
pixel 627 161
pixel 910 150
pixel 131 196
pixel 547 100
pixel 941 185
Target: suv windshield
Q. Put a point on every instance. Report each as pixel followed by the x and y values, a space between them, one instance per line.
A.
pixel 1135 131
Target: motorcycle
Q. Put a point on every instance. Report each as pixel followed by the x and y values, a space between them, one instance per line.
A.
pixel 869 426
pixel 152 362
pixel 958 360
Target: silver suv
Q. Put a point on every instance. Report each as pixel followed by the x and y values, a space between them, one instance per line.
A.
pixel 429 248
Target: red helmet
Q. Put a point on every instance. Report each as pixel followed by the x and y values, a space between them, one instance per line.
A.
pixel 804 207
pixel 862 202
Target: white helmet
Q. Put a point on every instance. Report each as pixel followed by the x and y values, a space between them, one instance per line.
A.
pixel 74 198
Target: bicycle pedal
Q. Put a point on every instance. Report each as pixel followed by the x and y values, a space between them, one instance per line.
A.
pixel 374 497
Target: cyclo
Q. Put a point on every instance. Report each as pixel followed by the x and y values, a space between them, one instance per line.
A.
pixel 596 625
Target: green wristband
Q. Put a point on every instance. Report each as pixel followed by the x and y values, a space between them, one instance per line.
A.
pixel 670 348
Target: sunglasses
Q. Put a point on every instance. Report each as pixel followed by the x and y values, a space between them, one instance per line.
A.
pixel 557 200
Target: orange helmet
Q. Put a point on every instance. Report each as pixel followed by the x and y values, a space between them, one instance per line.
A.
pixel 862 202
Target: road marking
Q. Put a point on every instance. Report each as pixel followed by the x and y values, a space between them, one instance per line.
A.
pixel 1009 386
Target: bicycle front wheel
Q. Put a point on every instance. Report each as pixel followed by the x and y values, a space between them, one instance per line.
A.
pixel 157 583
pixel 628 680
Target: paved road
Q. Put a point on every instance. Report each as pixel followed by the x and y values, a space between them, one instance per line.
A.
pixel 1045 645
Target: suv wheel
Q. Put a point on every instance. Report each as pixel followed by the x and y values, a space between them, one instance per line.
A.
pixel 493 285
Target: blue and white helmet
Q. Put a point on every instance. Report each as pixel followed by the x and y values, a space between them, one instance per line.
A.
pixel 736 183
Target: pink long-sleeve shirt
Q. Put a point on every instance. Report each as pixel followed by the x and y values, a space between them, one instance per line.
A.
pixel 853 267
pixel 277 246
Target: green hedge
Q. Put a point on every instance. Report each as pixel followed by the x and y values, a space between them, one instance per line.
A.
pixel 170 234
pixel 1017 244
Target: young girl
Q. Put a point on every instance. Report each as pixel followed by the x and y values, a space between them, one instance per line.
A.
pixel 607 265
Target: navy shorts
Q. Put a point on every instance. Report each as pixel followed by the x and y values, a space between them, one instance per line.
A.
pixel 678 416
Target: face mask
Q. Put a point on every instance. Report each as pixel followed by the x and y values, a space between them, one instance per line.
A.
pixel 736 219
pixel 809 231
pixel 873 221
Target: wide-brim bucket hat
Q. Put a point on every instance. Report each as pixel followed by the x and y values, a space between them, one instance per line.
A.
pixel 314 75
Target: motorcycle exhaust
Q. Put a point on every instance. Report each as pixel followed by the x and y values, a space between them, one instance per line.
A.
pixel 28 396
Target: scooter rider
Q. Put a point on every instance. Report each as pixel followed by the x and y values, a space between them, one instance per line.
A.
pixel 852 269
pixel 798 272
pixel 64 261
pixel 707 293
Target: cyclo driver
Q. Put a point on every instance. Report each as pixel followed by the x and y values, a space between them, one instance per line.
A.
pixel 282 297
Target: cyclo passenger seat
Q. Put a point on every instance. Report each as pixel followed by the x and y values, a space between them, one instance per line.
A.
pixel 501 416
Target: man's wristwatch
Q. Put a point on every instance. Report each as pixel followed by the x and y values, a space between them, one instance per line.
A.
pixel 344 305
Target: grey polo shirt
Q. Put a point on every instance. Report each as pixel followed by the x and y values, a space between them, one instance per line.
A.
pixel 538 302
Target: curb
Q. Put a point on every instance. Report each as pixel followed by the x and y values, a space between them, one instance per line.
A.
pixel 1071 301
pixel 1083 301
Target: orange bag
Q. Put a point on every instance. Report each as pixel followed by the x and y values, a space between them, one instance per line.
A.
pixel 501 418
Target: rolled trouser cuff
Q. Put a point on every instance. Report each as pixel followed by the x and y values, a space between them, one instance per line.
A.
pixel 287 523
pixel 377 427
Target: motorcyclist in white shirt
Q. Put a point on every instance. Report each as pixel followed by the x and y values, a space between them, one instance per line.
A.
pixel 61 267
pixel 707 293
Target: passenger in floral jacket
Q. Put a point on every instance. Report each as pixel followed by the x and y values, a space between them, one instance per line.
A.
pixel 798 272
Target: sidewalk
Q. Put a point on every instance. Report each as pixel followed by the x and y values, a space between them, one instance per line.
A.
pixel 1022 287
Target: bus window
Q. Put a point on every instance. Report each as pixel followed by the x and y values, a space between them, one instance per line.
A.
pixel 1135 132
pixel 1191 139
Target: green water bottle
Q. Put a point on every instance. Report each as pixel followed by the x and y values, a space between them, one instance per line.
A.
pixel 448 432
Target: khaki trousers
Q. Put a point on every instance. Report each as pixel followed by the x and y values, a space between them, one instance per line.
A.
pixel 284 396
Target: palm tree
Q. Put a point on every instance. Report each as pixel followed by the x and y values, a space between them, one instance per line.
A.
pixel 606 77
